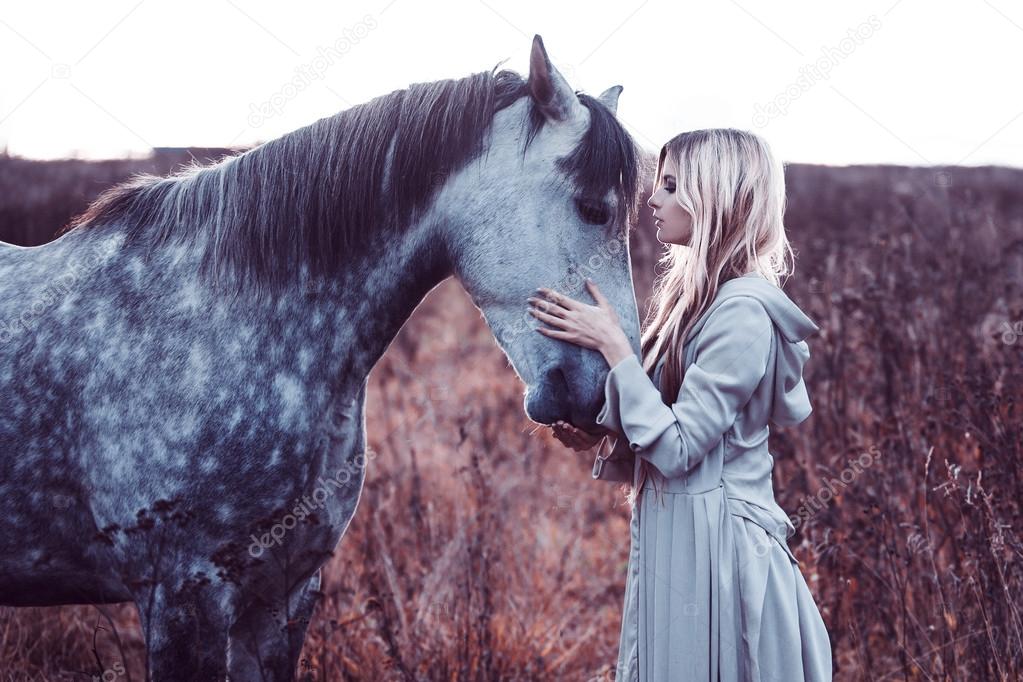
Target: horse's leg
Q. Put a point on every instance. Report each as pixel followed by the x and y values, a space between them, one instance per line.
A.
pixel 267 638
pixel 186 635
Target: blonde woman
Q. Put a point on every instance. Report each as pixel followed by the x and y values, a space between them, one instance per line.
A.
pixel 713 591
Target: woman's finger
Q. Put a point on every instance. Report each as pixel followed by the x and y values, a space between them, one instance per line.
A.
pixel 576 442
pixel 556 334
pixel 601 300
pixel 548 306
pixel 580 441
pixel 560 299
pixel 549 319
pixel 566 433
pixel 563 435
pixel 598 296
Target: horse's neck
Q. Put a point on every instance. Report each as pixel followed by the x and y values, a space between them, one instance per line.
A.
pixel 378 293
pixel 342 325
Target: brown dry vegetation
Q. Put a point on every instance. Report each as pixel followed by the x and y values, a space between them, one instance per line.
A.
pixel 482 550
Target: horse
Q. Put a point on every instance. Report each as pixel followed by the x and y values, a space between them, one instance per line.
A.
pixel 184 367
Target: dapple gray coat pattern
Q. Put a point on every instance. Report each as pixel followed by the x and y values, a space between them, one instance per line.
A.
pixel 183 372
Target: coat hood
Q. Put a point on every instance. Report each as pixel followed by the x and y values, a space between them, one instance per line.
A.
pixel 791 403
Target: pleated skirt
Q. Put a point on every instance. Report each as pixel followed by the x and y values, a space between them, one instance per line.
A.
pixel 712 596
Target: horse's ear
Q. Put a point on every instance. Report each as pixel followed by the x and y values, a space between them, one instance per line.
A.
pixel 548 88
pixel 609 98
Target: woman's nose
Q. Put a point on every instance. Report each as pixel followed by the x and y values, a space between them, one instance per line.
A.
pixel 651 203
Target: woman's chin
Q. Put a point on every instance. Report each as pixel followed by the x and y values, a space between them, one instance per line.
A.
pixel 665 238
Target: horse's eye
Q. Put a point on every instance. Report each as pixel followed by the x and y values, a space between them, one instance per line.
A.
pixel 595 213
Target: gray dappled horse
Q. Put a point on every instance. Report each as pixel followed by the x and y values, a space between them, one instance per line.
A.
pixel 183 371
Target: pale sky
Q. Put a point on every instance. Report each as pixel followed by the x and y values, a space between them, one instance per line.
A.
pixel 898 81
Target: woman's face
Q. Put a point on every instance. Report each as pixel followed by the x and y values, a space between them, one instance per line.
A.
pixel 674 224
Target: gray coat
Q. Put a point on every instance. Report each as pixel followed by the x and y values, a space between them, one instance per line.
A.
pixel 713 588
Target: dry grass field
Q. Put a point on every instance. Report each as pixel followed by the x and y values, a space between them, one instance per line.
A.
pixel 483 550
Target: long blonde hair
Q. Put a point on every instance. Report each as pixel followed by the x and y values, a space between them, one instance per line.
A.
pixel 734 189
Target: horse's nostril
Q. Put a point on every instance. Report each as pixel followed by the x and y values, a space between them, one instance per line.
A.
pixel 557 392
pixel 558 381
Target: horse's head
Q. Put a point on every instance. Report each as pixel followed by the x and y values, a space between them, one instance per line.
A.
pixel 548 211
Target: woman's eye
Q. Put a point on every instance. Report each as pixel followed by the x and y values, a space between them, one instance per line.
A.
pixel 593 213
pixel 670 189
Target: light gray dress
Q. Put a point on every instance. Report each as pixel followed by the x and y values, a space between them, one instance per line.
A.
pixel 713 591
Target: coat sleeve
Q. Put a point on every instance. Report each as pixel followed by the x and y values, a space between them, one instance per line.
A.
pixel 729 362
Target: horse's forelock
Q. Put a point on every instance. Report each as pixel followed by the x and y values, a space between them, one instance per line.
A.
pixel 606 159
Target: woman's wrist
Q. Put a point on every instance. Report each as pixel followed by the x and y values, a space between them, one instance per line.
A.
pixel 617 351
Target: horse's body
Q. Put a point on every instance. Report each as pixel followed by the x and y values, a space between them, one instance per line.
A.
pixel 202 454
pixel 179 399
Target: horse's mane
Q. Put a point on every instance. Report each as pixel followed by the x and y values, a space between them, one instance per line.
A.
pixel 313 195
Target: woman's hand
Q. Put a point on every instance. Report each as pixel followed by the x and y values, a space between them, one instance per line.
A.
pixel 577 439
pixel 595 327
